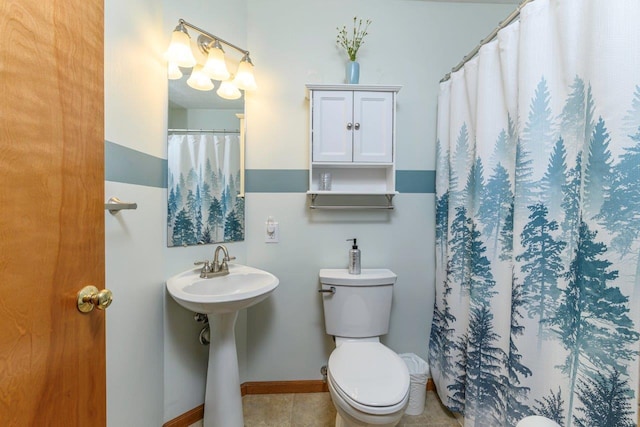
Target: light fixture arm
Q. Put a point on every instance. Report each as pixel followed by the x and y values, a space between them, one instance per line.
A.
pixel 213 38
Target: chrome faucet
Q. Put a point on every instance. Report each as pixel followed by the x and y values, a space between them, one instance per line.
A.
pixel 216 268
pixel 221 268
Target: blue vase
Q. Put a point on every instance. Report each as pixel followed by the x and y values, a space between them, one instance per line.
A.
pixel 353 72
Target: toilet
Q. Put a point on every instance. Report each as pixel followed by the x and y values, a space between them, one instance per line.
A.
pixel 368 382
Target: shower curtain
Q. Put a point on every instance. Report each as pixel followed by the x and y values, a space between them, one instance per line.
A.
pixel 538 221
pixel 203 186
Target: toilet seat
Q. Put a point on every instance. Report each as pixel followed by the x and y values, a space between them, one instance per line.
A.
pixel 370 377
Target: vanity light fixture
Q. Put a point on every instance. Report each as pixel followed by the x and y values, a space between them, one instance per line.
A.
pixel 179 54
pixel 244 78
pixel 173 71
pixel 199 79
pixel 179 51
pixel 216 67
pixel 228 90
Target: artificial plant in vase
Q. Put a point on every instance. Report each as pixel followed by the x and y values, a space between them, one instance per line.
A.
pixel 351 43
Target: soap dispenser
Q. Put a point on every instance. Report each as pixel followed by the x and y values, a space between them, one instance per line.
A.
pixel 354 257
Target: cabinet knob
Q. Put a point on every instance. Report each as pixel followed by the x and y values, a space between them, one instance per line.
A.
pixel 357 126
pixel 349 126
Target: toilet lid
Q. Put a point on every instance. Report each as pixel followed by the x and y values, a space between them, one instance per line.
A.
pixel 369 373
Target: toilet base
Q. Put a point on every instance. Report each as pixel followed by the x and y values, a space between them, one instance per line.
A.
pixel 348 416
pixel 341 422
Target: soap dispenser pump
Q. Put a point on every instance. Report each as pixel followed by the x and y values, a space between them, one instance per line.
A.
pixel 354 257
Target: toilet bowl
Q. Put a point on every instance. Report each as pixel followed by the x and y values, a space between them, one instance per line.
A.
pixel 368 382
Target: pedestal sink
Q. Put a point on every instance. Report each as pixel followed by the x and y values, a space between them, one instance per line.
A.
pixel 221 298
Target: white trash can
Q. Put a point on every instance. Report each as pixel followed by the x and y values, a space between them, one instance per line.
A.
pixel 419 373
pixel 537 421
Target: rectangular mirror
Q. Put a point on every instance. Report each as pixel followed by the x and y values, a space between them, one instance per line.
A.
pixel 205 167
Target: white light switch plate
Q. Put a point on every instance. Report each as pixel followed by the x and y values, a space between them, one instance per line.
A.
pixel 272 232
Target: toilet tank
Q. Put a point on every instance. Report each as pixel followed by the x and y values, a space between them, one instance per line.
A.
pixel 361 304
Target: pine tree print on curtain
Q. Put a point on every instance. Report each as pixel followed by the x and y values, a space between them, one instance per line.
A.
pixel 537 308
pixel 204 206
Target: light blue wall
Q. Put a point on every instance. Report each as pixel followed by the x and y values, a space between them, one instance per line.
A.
pixel 292 42
pixel 135 119
pixel 219 119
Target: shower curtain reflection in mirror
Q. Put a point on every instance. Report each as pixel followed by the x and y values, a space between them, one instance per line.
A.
pixel 204 182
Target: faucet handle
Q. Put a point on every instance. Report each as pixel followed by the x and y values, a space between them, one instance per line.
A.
pixel 206 266
pixel 225 262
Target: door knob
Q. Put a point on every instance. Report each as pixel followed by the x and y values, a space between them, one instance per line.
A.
pixel 89 297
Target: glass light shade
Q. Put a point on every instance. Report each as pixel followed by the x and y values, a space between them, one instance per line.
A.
pixel 173 71
pixel 179 51
pixel 199 80
pixel 228 90
pixel 216 67
pixel 244 78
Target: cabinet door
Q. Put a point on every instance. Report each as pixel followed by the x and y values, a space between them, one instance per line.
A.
pixel 331 136
pixel 373 127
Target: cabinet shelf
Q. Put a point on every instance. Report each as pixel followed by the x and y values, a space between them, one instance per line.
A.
pixel 354 87
pixel 351 205
pixel 351 193
pixel 365 179
pixel 350 165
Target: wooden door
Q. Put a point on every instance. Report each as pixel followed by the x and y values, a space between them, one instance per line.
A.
pixel 52 357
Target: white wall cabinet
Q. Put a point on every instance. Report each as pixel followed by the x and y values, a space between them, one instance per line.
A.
pixel 352 137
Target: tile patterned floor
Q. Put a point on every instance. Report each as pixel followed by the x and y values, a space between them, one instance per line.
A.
pixel 316 410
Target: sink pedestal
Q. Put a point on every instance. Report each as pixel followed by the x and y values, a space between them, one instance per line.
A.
pixel 223 400
pixel 221 298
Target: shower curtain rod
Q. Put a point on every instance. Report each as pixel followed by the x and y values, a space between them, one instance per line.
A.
pixel 512 17
pixel 205 130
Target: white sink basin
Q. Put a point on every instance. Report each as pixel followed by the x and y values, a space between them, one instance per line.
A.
pixel 243 287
